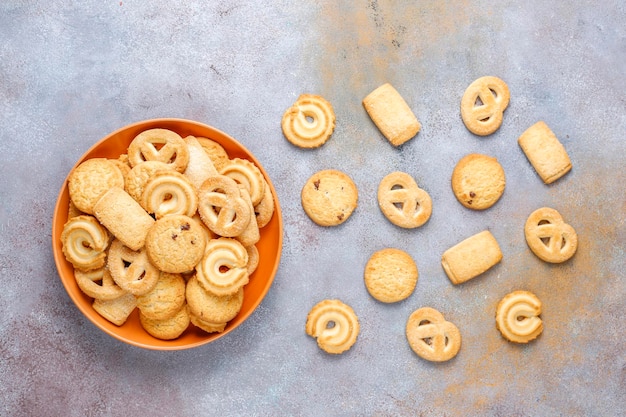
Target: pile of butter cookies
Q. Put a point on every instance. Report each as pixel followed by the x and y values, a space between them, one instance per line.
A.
pixel 478 181
pixel 169 228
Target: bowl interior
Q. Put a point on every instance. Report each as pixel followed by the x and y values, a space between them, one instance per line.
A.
pixel 270 245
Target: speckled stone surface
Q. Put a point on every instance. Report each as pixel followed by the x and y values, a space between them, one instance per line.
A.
pixel 71 72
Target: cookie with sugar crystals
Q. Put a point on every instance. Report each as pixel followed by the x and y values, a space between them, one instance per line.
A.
pixel 165 299
pixel 390 275
pixel 90 180
pixel 329 197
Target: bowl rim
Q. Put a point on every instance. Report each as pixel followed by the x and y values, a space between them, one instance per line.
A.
pixel 59 257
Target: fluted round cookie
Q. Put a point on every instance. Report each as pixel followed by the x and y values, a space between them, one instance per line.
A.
pixel 165 299
pixel 169 328
pixel 334 324
pixel 138 176
pixel 309 122
pixel 90 180
pixel 175 243
pixel 478 181
pixel 390 275
pixel 517 316
pixel 84 242
pixel 210 307
pixel 329 197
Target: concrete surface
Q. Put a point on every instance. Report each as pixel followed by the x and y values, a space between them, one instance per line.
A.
pixel 71 72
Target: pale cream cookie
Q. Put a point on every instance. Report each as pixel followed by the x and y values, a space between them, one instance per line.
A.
pixel 402 202
pixel 169 328
pixel 334 324
pixel 165 299
pixel 116 310
pixel 545 153
pixel 161 145
pixel 131 270
pixel 390 275
pixel 549 237
pixel 84 242
pixel 483 105
pixel 90 180
pixel 517 317
pixel 431 336
pixel 222 269
pixel 471 257
pixel 309 122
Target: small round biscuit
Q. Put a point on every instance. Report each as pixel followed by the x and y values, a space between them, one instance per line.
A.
pixel 175 243
pixel 390 275
pixel 329 197
pixel 165 299
pixel 478 181
pixel 309 122
pixel 90 180
pixel 517 317
pixel 166 329
pixel 210 307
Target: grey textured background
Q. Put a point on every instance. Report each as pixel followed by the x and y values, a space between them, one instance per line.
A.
pixel 71 72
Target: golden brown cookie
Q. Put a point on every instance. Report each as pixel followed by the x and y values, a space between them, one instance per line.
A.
pixel 545 153
pixel 549 237
pixel 205 325
pixel 130 269
pixel 471 257
pixel 478 181
pixel 334 324
pixel 390 275
pixel 216 152
pixel 223 267
pixel 329 197
pixel 431 336
pixel 391 114
pixel 221 207
pixel 517 317
pixel 137 177
pixel 165 299
pixel 251 233
pixel 161 145
pixel 175 243
pixel 402 202
pixel 169 192
pixel 169 328
pixel 248 175
pixel 98 283
pixel 116 310
pixel 90 180
pixel 200 166
pixel 309 122
pixel 253 259
pixel 265 209
pixel 483 105
pixel 84 242
pixel 211 308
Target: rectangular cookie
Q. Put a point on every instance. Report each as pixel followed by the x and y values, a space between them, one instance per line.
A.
pixel 124 217
pixel 471 257
pixel 391 114
pixel 545 153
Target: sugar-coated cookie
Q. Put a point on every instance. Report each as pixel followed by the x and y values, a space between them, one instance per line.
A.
pixel 131 270
pixel 390 275
pixel 98 283
pixel 478 181
pixel 161 145
pixel 549 237
pixel 309 122
pixel 483 105
pixel 329 197
pixel 334 324
pixel 90 180
pixel 471 257
pixel 402 202
pixel 544 151
pixel 517 317
pixel 431 336
pixel 221 207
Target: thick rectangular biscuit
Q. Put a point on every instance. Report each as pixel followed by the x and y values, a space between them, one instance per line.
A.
pixel 545 153
pixel 124 217
pixel 471 257
pixel 391 114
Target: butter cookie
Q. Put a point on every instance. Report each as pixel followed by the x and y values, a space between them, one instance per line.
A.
pixel 334 324
pixel 329 197
pixel 549 237
pixel 309 122
pixel 402 202
pixel 90 180
pixel 390 275
pixel 483 105
pixel 161 145
pixel 517 317
pixel 478 181
pixel 431 336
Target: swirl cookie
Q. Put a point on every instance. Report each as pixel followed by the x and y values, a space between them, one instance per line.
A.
pixel 175 243
pixel 390 275
pixel 402 202
pixel 84 242
pixel 329 197
pixel 137 177
pixel 90 180
pixel 165 299
pixel 169 192
pixel 483 105
pixel 247 174
pixel 549 237
pixel 334 324
pixel 166 329
pixel 431 336
pixel 98 283
pixel 223 267
pixel 309 122
pixel 471 257
pixel 544 152
pixel 130 269
pixel 391 114
pixel 517 317
pixel 161 145
pixel 221 207
pixel 478 181
pixel 210 308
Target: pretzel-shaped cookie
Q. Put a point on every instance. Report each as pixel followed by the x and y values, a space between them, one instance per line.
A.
pixel 84 242
pixel 221 207
pixel 431 336
pixel 132 270
pixel 98 283
pixel 334 324
pixel 549 237
pixel 309 122
pixel 247 174
pixel 517 317
pixel 159 145
pixel 223 269
pixel 484 117
pixel 169 192
pixel 403 202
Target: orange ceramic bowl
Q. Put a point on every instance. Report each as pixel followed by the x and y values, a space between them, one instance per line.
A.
pixel 270 245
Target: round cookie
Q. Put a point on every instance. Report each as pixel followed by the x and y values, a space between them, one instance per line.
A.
pixel 165 299
pixel 478 181
pixel 390 275
pixel 175 243
pixel 517 317
pixel 166 329
pixel 309 122
pixel 90 180
pixel 212 308
pixel 334 324
pixel 329 197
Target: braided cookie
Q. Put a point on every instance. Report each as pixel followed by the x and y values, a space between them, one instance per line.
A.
pixel 309 122
pixel 223 267
pixel 478 181
pixel 517 317
pixel 221 207
pixel 84 242
pixel 247 174
pixel 211 308
pixel 334 324
pixel 483 105
pixel 159 145
pixel 431 336
pixel 402 202
pixel 131 270
pixel 169 192
pixel 90 180
pixel 329 197
pixel 549 237
pixel 98 283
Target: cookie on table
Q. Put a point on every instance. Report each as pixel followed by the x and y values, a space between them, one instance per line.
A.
pixel 432 337
pixel 390 275
pixel 549 237
pixel 517 317
pixel 483 105
pixel 402 202
pixel 329 197
pixel 544 152
pixel 471 257
pixel 309 122
pixel 334 324
pixel 478 181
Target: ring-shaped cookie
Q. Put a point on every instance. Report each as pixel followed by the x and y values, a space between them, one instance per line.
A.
pixel 431 336
pixel 549 237
pixel 221 207
pixel 98 283
pixel 223 269
pixel 84 242
pixel 159 145
pixel 169 192
pixel 483 105
pixel 334 324
pixel 131 270
pixel 517 317
pixel 247 174
pixel 309 122
pixel 402 202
